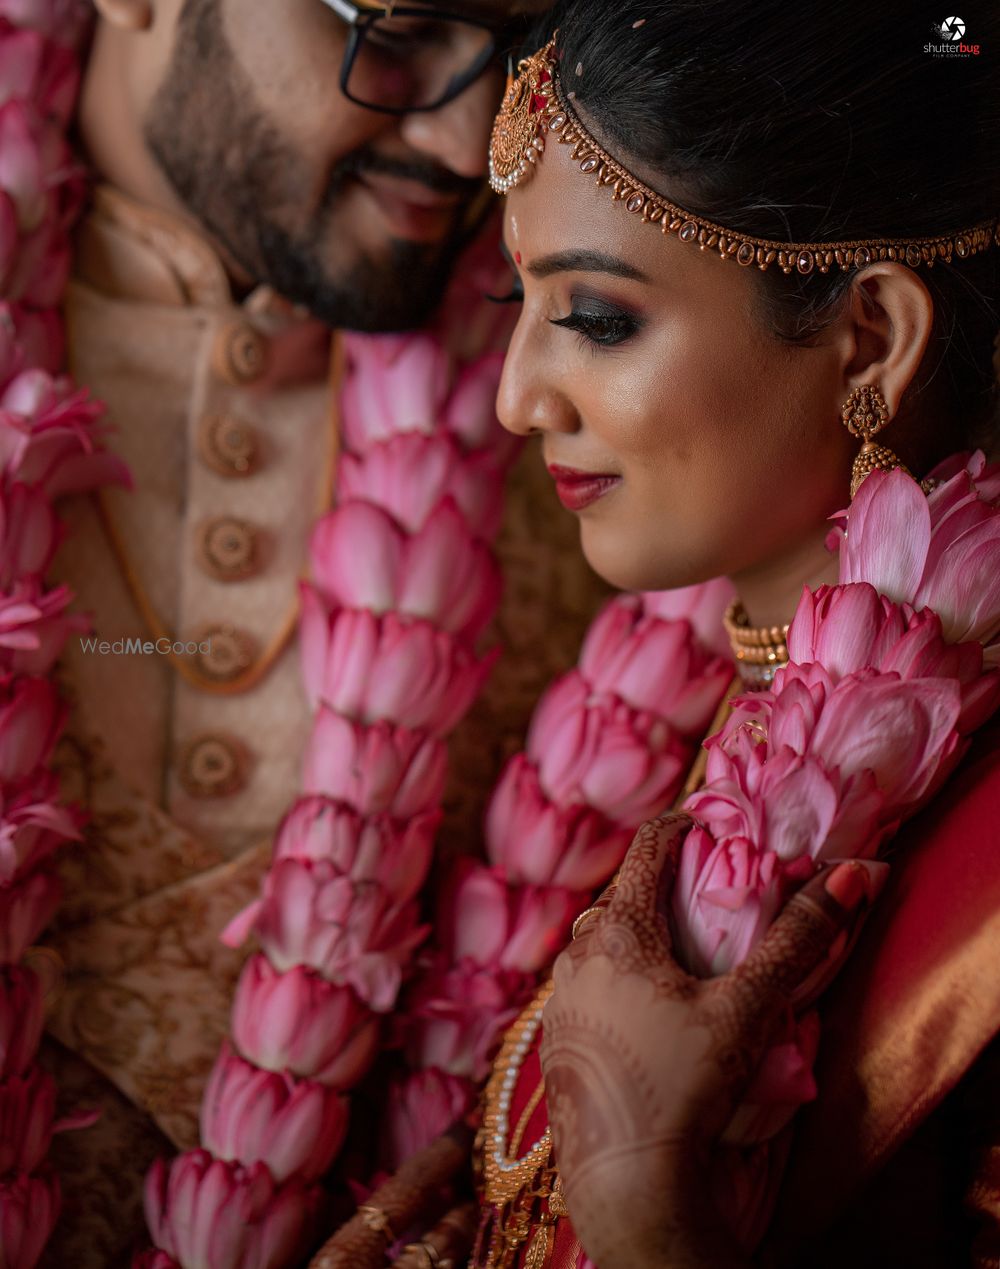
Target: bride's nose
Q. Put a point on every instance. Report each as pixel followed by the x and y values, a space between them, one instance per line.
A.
pixel 530 398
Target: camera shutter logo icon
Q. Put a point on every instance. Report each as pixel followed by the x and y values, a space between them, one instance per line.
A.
pixel 952 29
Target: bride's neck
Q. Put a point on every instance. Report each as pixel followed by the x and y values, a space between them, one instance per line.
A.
pixel 770 591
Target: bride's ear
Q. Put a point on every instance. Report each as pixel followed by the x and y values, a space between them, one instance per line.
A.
pixel 889 318
pixel 126 15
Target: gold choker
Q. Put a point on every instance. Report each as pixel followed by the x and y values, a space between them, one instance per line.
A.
pixel 760 651
pixel 534 111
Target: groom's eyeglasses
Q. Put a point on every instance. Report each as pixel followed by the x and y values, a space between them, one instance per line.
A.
pixel 401 58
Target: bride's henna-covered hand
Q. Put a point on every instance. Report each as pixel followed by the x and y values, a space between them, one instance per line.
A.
pixel 644 1065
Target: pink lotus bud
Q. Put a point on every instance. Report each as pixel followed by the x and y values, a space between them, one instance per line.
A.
pixel 404 671
pixel 26 908
pixel 29 534
pixel 22 167
pixel 29 1206
pixel 421 1107
pixel 410 474
pixel 30 720
pixel 726 896
pixel 702 606
pixel 903 731
pixel 49 435
pixel 465 319
pixel 851 627
pixel 362 559
pixel 27 1116
pixel 471 411
pixel 350 934
pixel 494 924
pixel 940 551
pixel 846 628
pixel 210 1214
pixel 34 627
pixel 33 341
pixel 782 1082
pixel 21 1019
pixel 295 1126
pixel 538 842
pixel 794 804
pixel 456 1015
pixel 376 768
pixel 654 664
pixel 595 749
pixel 33 826
pixel 395 383
pixel 298 1022
pixel 21 55
pixel 59 20
pixel 376 849
pixel 984 477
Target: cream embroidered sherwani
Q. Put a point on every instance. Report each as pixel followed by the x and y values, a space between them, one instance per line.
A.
pixel 223 412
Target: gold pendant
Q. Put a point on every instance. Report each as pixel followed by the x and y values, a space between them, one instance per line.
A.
pixel 540 1248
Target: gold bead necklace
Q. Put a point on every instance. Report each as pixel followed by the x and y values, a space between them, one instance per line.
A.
pixel 759 651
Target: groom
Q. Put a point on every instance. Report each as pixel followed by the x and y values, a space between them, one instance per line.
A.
pixel 260 177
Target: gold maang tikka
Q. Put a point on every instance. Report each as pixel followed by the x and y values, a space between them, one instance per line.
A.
pixel 535 111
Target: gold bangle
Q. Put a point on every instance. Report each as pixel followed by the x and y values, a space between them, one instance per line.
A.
pixel 431 1257
pixel 579 923
pixel 375 1219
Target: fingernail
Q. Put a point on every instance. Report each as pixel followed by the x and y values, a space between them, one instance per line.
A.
pixel 848 884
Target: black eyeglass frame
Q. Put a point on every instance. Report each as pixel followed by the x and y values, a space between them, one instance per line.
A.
pixel 360 20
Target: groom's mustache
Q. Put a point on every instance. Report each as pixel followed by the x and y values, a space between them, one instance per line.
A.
pixel 367 161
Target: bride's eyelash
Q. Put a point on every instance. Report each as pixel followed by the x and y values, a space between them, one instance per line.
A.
pixel 600 326
pixel 514 296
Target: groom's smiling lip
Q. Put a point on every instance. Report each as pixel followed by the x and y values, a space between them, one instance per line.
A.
pixel 412 210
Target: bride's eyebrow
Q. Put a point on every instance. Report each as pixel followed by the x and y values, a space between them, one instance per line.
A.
pixel 579 261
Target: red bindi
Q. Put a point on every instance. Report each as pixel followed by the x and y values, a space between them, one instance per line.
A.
pixel 517 256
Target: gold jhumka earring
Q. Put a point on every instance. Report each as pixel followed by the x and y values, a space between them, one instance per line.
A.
pixel 865 413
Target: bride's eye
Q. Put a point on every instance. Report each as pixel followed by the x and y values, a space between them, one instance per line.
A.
pixel 514 296
pixel 599 323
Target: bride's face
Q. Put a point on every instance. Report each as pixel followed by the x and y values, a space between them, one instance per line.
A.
pixel 640 357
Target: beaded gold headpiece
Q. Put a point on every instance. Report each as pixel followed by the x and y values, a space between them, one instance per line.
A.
pixel 535 111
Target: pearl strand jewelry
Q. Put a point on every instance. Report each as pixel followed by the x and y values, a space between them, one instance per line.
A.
pixel 504 1175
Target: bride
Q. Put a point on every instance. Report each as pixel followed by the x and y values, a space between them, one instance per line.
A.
pixel 723 245
pixel 755 251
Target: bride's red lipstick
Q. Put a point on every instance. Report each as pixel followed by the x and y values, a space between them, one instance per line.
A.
pixel 577 489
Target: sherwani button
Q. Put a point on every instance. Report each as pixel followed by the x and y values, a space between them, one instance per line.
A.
pixel 229 652
pixel 240 354
pixel 228 445
pixel 213 765
pixel 229 548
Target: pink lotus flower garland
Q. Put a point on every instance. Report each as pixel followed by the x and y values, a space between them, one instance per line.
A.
pixel 403 584
pixel 609 746
pixel 890 672
pixel 49 445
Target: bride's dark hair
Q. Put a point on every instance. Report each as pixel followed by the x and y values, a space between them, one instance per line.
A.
pixel 812 123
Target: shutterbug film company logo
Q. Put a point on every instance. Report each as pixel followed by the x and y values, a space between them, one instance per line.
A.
pixel 951 33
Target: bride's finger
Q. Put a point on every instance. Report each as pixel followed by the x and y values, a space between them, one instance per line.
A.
pixel 647 876
pixel 796 944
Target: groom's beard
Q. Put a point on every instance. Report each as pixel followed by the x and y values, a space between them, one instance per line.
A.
pixel 238 177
